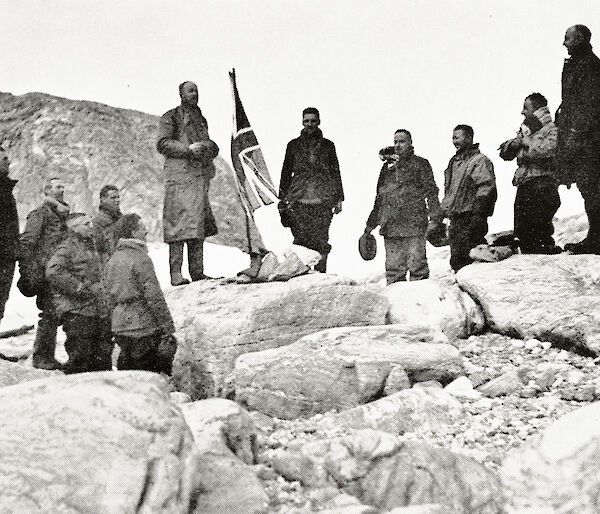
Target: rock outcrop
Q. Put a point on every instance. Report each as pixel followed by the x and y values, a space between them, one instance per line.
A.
pixel 341 368
pixel 11 373
pixel 549 298
pixel 88 145
pixel 217 323
pixel 95 443
pixel 559 471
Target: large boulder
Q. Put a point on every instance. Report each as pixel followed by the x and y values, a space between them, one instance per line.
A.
pixel 550 298
pixel 95 442
pixel 12 373
pixel 218 322
pixel 560 470
pixel 341 368
pixel 440 305
pixel 225 437
pixel 383 471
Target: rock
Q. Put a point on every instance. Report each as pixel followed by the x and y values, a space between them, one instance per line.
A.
pixel 95 442
pixel 397 380
pixel 559 471
pixel 462 388
pixel 340 368
pixel 218 322
pixel 225 437
pixel 306 255
pixel 550 298
pixel 345 504
pixel 17 348
pixel 179 398
pixel 429 508
pixel 12 373
pixel 383 471
pixel 443 307
pixel 403 411
pixel 509 382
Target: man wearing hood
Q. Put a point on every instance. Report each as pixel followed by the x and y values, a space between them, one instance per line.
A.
pixel 537 198
pixel 578 122
pixel 104 222
pixel 407 196
pixel 74 273
pixel 469 196
pixel 189 155
pixel 9 230
pixel 311 187
pixel 45 229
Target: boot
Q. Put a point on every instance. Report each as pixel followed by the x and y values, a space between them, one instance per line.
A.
pixel 196 259
pixel 175 263
pixel 44 345
pixel 321 266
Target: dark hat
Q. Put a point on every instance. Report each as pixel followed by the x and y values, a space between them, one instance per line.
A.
pixel 437 234
pixel 367 246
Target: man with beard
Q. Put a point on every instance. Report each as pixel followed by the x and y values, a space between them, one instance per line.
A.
pixel 74 273
pixel 406 197
pixel 45 229
pixel 578 122
pixel 470 196
pixel 537 198
pixel 9 230
pixel 310 188
pixel 189 155
pixel 104 221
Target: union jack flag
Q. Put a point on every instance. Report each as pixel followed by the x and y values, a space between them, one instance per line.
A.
pixel 254 184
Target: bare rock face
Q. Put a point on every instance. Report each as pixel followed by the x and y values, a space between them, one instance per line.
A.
pixel 225 437
pixel 341 368
pixel 95 443
pixel 383 471
pixel 217 323
pixel 550 298
pixel 11 373
pixel 89 145
pixel 559 471
pixel 442 306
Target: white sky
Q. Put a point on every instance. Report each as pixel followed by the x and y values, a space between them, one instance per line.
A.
pixel 370 67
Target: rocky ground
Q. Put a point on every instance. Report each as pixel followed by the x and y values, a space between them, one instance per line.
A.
pixel 558 382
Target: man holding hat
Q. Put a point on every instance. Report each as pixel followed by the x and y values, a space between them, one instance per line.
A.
pixel 189 154
pixel 407 196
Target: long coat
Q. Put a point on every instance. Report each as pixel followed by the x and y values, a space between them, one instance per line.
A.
pixel 9 227
pixel 104 232
pixel 187 213
pixel 406 196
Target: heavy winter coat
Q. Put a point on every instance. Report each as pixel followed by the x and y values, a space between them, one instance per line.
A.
pixel 537 157
pixel 406 196
pixel 45 229
pixel 74 273
pixel 136 301
pixel 9 227
pixel 104 232
pixel 187 213
pixel 476 184
pixel 311 171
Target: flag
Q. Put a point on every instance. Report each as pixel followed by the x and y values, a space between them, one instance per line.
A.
pixel 254 185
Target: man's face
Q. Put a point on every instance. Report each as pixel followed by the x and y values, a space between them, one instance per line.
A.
pixel 110 200
pixel 82 226
pixel 402 143
pixel 140 232
pixel 4 163
pixel 528 109
pixel 311 122
pixel 461 140
pixel 56 190
pixel 189 94
pixel 572 39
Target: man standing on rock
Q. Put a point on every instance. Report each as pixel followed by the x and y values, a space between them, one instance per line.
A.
pixel 74 273
pixel 537 198
pixel 45 229
pixel 9 230
pixel 104 221
pixel 407 197
pixel 310 188
pixel 189 155
pixel 578 122
pixel 470 196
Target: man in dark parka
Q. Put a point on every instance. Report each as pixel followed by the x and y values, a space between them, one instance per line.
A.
pixel 45 229
pixel 311 187
pixel 9 230
pixel 578 122
pixel 104 221
pixel 189 154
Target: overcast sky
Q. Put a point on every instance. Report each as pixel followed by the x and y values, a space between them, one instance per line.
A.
pixel 370 67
